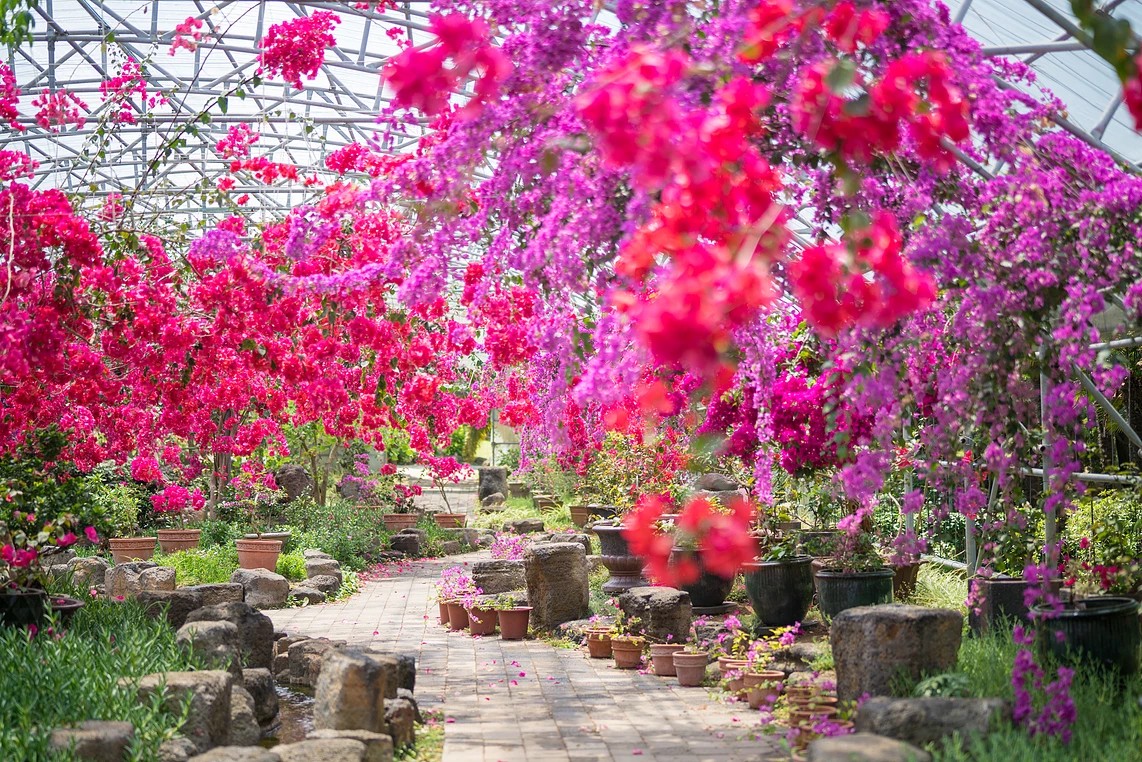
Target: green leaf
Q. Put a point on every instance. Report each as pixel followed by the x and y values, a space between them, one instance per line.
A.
pixel 223 104
pixel 841 76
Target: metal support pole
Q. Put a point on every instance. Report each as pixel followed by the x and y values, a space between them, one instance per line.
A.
pixel 1106 405
pixel 1049 523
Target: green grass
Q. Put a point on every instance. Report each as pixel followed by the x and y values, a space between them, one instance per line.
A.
pixel 1109 716
pixel 518 508
pixel 212 565
pixel 429 746
pixel 49 682
pixel 940 587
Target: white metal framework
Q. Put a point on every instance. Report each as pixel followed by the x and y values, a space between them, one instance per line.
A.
pixel 80 43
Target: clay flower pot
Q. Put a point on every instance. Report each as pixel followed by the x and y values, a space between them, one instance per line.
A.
pixel 802 693
pixel 513 622
pixel 124 549
pixel 662 657
pixel 690 667
pixel 599 643
pixel 258 554
pixel 580 514
pixel 481 621
pixel 807 718
pixel 174 540
pixel 904 579
pixel 763 687
pixel 457 615
pixel 627 651
pixel 394 522
pixel 443 613
pixel 449 520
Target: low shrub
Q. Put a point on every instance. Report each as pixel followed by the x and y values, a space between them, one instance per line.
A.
pixel 50 681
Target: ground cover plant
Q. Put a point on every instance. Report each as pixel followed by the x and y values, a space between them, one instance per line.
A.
pixel 53 678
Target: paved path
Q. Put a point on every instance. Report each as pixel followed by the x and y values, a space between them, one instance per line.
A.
pixel 528 701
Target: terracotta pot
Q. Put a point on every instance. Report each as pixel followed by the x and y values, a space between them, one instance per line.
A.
pixel 730 664
pixel 482 621
pixel 690 668
pixel 449 520
pixel 801 693
pixel 258 554
pixel 443 613
pixel 763 687
pixel 283 536
pixel 662 657
pixel 174 540
pixel 457 615
pixel 627 653
pixel 124 549
pixel 513 622
pixel 599 644
pixel 546 504
pixel 904 581
pixel 394 522
pixel 625 568
pixel 807 718
pixel 580 514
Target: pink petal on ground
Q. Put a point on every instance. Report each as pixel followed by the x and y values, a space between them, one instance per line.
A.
pixel 450 719
pixel 636 752
pixel 523 674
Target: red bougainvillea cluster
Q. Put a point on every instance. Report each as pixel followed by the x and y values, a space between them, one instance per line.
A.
pixel 296 49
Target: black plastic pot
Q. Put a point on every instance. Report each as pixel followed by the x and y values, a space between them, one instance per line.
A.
pixel 65 607
pixel 625 569
pixel 837 590
pixel 1001 603
pixel 1102 631
pixel 20 607
pixel 711 590
pixel 780 592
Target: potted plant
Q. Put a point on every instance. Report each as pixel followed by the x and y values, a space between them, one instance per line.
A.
pixel 171 505
pixel 443 470
pixel 254 490
pixel 709 590
pixel 513 617
pixel 482 615
pixel 626 645
pixel 598 638
pixel 450 520
pixel 904 558
pixel 455 589
pixel 779 582
pixel 855 575
pixel 1009 543
pixel 48 506
pixel 662 658
pixel 763 685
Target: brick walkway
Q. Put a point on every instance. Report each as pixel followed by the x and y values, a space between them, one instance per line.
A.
pixel 528 701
